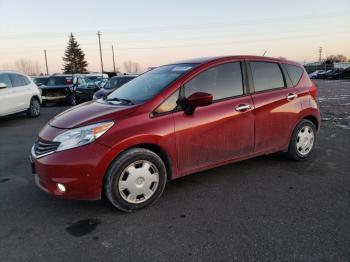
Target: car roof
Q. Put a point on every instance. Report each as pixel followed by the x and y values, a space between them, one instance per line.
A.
pixel 11 71
pixel 204 60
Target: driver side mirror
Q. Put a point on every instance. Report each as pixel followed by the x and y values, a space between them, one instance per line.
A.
pixel 197 99
pixel 2 85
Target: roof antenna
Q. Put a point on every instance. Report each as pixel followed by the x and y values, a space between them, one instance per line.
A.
pixel 264 53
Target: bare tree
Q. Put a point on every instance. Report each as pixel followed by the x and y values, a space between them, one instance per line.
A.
pixel 131 67
pixel 335 59
pixel 28 66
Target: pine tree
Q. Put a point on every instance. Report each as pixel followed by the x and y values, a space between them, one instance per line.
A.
pixel 74 58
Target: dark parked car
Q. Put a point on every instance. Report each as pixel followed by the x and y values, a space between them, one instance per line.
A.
pixel 60 88
pixel 175 120
pixel 113 84
pixel 85 89
pixel 340 74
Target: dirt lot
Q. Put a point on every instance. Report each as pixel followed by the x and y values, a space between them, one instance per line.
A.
pixel 265 209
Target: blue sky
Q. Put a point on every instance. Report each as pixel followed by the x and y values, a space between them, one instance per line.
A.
pixel 156 32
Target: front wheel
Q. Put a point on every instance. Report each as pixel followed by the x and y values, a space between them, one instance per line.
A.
pixel 303 140
pixel 71 100
pixel 34 108
pixel 136 179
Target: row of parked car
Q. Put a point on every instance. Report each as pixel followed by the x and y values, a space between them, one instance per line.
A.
pixel 331 74
pixel 78 88
pixel 21 93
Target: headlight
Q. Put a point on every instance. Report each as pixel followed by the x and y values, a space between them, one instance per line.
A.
pixel 82 135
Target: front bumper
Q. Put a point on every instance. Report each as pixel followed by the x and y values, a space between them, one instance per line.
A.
pixel 80 170
pixel 53 98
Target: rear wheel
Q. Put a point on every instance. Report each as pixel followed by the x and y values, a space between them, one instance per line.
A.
pixel 136 179
pixel 303 140
pixel 34 108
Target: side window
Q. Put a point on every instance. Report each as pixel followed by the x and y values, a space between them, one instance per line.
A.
pixel 169 104
pixel 17 80
pixel 4 78
pixel 81 82
pixel 221 81
pixel 294 72
pixel 25 80
pixel 266 76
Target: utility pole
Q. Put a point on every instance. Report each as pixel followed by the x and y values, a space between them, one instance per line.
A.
pixel 99 42
pixel 320 54
pixel 47 68
pixel 113 58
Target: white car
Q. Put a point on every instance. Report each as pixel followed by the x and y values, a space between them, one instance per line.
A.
pixel 18 93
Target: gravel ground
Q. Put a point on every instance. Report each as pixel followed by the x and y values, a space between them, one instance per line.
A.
pixel 263 209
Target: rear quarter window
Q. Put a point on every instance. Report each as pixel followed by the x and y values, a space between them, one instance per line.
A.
pixel 294 72
pixel 266 76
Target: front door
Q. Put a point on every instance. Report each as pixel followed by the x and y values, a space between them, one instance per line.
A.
pixel 220 131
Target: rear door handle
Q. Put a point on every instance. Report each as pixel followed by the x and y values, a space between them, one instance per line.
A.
pixel 291 96
pixel 242 108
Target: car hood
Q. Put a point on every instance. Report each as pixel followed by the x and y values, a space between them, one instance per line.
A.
pixel 89 113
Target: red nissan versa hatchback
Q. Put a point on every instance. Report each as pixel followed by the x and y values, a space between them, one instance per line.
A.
pixel 175 120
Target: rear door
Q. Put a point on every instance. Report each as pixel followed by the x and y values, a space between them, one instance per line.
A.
pixel 276 105
pixel 21 90
pixel 220 131
pixel 7 96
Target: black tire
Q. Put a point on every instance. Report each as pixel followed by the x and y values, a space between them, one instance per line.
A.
pixel 34 108
pixel 293 152
pixel 116 170
pixel 71 100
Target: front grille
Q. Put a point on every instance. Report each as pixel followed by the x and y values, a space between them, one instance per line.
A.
pixel 43 148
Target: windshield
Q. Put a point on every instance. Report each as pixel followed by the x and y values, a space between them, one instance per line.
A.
pixel 116 82
pixel 145 86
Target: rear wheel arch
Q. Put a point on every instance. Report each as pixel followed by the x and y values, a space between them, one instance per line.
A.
pixel 313 119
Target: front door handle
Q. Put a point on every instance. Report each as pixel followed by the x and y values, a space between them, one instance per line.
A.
pixel 242 108
pixel 291 96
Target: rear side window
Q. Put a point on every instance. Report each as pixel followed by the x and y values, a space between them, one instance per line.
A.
pixel 5 79
pixel 17 80
pixel 294 72
pixel 221 81
pixel 266 76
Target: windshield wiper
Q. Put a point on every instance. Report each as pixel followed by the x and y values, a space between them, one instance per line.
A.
pixel 127 101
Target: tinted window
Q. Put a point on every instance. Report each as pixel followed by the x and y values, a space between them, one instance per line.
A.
pixel 266 76
pixel 59 80
pixel 4 78
pixel 149 84
pixel 221 81
pixel 294 72
pixel 169 104
pixel 17 80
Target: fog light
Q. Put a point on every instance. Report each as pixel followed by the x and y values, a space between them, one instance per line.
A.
pixel 61 187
